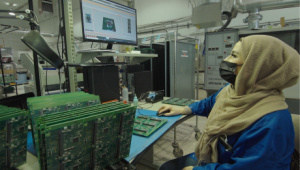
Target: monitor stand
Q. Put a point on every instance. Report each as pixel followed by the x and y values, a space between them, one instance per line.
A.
pixel 108 59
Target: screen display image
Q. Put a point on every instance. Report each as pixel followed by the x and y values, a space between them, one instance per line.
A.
pixel 107 21
pixel 108 24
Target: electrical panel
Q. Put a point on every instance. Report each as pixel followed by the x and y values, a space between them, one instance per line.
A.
pixel 89 137
pixel 13 137
pixel 218 46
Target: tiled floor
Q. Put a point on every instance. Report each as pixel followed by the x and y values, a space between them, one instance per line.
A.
pixel 185 135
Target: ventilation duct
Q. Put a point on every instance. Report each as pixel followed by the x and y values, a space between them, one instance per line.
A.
pixel 253 7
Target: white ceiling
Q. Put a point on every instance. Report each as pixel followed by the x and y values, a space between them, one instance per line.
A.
pixel 17 5
pixel 13 4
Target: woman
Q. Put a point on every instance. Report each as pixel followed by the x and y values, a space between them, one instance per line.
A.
pixel 248 125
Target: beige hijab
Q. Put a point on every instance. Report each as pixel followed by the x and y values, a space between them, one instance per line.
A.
pixel 269 66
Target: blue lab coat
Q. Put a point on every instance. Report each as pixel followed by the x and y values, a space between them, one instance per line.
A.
pixel 267 144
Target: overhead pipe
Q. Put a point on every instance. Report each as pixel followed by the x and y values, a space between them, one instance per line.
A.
pixel 255 7
pixel 268 5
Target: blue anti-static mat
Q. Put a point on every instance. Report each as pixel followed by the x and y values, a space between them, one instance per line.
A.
pixel 30 147
pixel 138 143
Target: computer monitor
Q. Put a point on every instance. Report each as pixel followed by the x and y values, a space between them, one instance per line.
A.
pixel 109 22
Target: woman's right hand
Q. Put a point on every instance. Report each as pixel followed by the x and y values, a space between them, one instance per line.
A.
pixel 171 111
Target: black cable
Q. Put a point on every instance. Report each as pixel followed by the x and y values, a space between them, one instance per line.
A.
pixel 59 81
pixel 92 44
pixel 47 79
pixel 64 86
pixel 57 43
pixel 227 22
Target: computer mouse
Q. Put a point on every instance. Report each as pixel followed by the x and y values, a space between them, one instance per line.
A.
pixel 162 113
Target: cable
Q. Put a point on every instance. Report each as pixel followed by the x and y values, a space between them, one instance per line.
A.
pixel 191 3
pixel 57 43
pixel 227 22
pixel 64 86
pixel 59 81
pixel 143 94
pixel 34 17
pixel 47 79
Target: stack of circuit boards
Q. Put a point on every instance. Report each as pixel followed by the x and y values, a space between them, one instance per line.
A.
pixel 90 137
pixel 43 105
pixel 178 101
pixel 145 125
pixel 13 137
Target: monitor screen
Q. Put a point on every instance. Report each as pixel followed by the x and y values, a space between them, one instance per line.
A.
pixel 109 22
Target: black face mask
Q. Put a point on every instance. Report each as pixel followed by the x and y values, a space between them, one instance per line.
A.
pixel 227 70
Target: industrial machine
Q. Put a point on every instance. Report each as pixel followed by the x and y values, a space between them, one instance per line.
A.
pixel 218 46
pixel 50 78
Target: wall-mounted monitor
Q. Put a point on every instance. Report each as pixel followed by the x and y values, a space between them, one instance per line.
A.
pixel 109 22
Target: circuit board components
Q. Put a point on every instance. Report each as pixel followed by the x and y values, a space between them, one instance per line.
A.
pixel 145 125
pixel 91 137
pixel 13 137
pixel 44 105
pixel 178 101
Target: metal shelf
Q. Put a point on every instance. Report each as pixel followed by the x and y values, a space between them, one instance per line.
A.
pixel 133 57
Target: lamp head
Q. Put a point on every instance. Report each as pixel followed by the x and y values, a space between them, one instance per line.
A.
pixel 36 42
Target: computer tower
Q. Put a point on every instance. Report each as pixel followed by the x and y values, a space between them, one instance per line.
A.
pixel 102 81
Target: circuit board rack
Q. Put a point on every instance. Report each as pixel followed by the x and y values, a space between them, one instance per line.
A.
pixel 145 125
pixel 13 137
pixel 84 138
pixel 44 105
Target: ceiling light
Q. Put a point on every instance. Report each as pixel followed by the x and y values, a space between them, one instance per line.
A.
pixel 15 4
pixel 6 3
pixel 11 13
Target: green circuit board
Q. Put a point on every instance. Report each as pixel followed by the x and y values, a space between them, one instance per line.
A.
pixel 8 79
pixel 178 101
pixel 145 125
pixel 44 105
pixel 13 137
pixel 85 138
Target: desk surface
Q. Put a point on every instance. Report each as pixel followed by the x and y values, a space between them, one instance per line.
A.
pixel 140 143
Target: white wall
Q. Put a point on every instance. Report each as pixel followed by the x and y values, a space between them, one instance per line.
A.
pixel 161 10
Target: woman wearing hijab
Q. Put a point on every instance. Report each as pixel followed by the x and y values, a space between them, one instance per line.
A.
pixel 248 125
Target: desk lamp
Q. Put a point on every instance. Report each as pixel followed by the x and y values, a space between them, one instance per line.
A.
pixel 36 42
